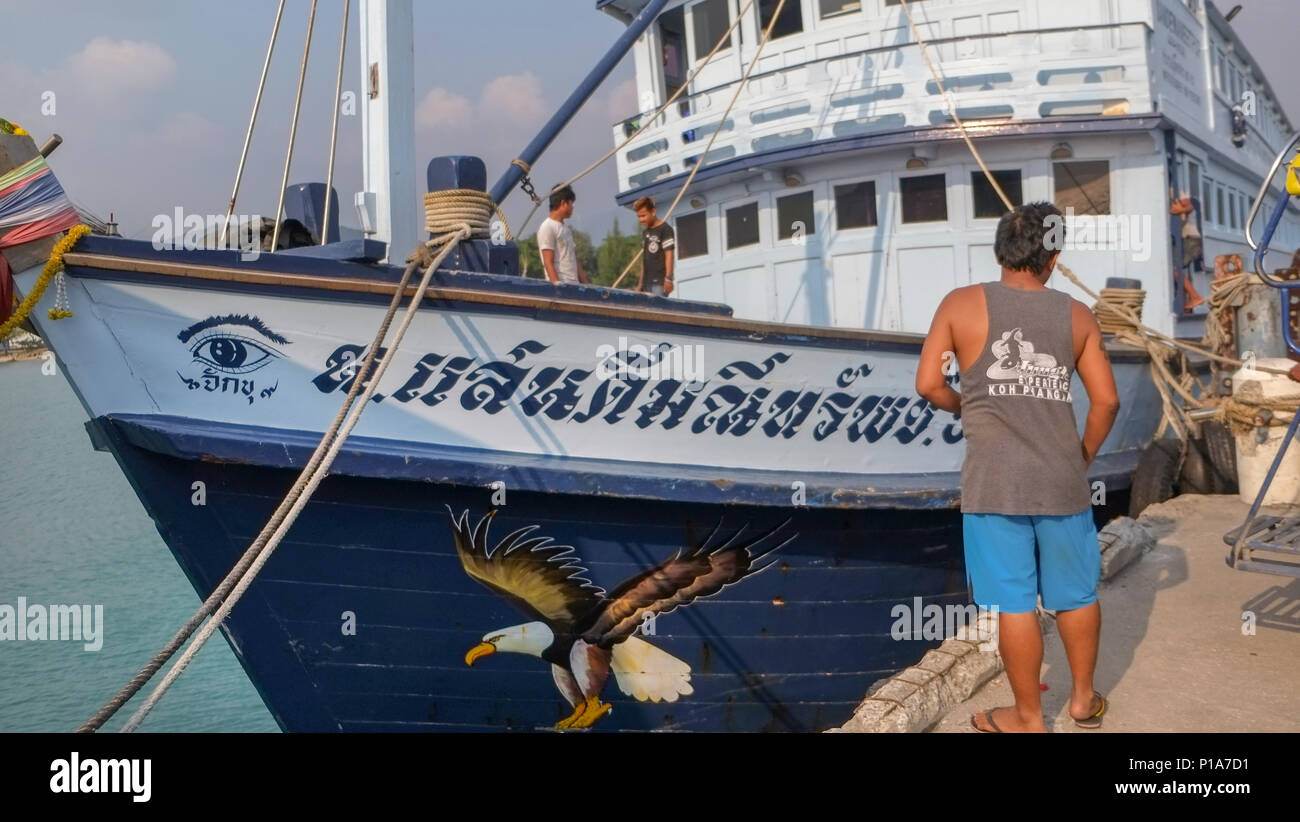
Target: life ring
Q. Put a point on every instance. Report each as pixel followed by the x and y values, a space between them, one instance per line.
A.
pixel 1227 265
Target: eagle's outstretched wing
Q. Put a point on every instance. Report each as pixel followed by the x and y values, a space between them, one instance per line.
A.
pixel 679 580
pixel 540 578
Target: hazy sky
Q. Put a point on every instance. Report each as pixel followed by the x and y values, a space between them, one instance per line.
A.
pixel 153 96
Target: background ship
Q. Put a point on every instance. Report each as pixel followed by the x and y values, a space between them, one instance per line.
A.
pixel 811 488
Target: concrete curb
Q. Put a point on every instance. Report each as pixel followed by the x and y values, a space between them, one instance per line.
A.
pixel 915 699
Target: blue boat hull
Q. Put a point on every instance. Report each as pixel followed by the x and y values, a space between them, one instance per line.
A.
pixel 792 648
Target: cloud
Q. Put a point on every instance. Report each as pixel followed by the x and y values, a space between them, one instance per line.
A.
pixel 109 70
pixel 516 96
pixel 508 101
pixel 441 108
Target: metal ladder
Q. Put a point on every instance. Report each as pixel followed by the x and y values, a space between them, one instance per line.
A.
pixel 1270 544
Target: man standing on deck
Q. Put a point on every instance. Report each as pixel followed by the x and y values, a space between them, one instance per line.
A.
pixel 658 247
pixel 1026 508
pixel 555 241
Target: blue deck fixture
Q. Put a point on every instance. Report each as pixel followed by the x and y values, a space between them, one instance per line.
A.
pixel 579 96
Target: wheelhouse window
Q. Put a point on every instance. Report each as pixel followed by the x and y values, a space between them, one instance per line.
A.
pixel 692 235
pixel 988 205
pixel 925 199
pixel 855 205
pixel 710 20
pixel 1219 209
pixel 1207 200
pixel 672 39
pixel 1193 180
pixel 790 21
pixel 742 226
pixel 1083 185
pixel 794 215
pixel 834 8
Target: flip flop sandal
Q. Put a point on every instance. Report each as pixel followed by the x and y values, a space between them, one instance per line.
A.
pixel 1093 722
pixel 988 717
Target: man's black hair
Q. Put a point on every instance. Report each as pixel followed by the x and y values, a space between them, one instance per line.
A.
pixel 560 196
pixel 1029 236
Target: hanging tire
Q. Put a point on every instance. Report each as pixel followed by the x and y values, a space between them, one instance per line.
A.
pixel 1221 447
pixel 1200 475
pixel 1153 480
pixel 1197 474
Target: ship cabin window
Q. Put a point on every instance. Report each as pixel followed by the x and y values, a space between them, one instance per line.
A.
pixel 790 21
pixel 834 8
pixel 1235 212
pixel 1194 181
pixel 1218 206
pixel 672 39
pixel 742 226
pixel 1220 81
pixel 855 205
pixel 1082 185
pixel 1207 200
pixel 925 199
pixel 692 235
pixel 710 20
pixel 988 205
pixel 794 216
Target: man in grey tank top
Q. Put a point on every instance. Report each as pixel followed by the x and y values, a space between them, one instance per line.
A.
pixel 1026 508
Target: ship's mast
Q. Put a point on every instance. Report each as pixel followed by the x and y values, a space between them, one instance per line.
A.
pixel 388 204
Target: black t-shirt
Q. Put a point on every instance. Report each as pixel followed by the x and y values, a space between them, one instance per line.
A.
pixel 655 241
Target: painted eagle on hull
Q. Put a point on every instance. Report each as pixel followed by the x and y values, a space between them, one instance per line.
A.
pixel 587 634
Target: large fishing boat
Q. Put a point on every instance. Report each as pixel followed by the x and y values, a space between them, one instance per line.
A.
pixel 704 510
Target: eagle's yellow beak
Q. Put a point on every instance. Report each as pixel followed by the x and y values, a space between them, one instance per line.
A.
pixel 482 649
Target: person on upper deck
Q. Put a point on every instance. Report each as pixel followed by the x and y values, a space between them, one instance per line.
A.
pixel 1027 520
pixel 658 246
pixel 555 241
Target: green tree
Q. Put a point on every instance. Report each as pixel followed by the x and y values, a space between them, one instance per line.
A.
pixel 616 251
pixel 586 253
pixel 530 259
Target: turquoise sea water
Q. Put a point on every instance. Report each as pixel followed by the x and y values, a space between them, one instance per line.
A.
pixel 73 532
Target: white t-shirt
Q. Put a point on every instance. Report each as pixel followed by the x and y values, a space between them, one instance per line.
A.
pixel 556 236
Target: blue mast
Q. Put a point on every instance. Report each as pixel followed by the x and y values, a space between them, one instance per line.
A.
pixel 579 96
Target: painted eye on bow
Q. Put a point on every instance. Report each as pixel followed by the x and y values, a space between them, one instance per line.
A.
pixel 232 354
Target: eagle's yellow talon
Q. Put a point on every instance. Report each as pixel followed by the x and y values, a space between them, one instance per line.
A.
pixel 593 709
pixel 568 721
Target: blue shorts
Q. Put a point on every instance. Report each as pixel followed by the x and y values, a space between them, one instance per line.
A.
pixel 1013 560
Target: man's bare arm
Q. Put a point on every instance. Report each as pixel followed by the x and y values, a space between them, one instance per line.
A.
pixel 548 264
pixel 1098 380
pixel 931 382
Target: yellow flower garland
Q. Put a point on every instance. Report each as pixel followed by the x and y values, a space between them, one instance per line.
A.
pixel 53 267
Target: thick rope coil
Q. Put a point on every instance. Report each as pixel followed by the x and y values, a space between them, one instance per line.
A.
pixel 450 211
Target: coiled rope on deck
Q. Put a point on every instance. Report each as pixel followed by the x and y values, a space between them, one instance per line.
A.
pixel 448 211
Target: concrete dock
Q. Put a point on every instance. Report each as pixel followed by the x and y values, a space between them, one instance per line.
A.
pixel 1174 655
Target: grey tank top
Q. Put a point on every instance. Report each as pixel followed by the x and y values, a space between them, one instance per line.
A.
pixel 1023 453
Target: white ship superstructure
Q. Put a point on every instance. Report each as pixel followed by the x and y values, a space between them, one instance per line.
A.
pixel 839 192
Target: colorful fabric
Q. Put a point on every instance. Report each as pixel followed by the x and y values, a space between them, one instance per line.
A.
pixel 34 205
pixel 31 193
